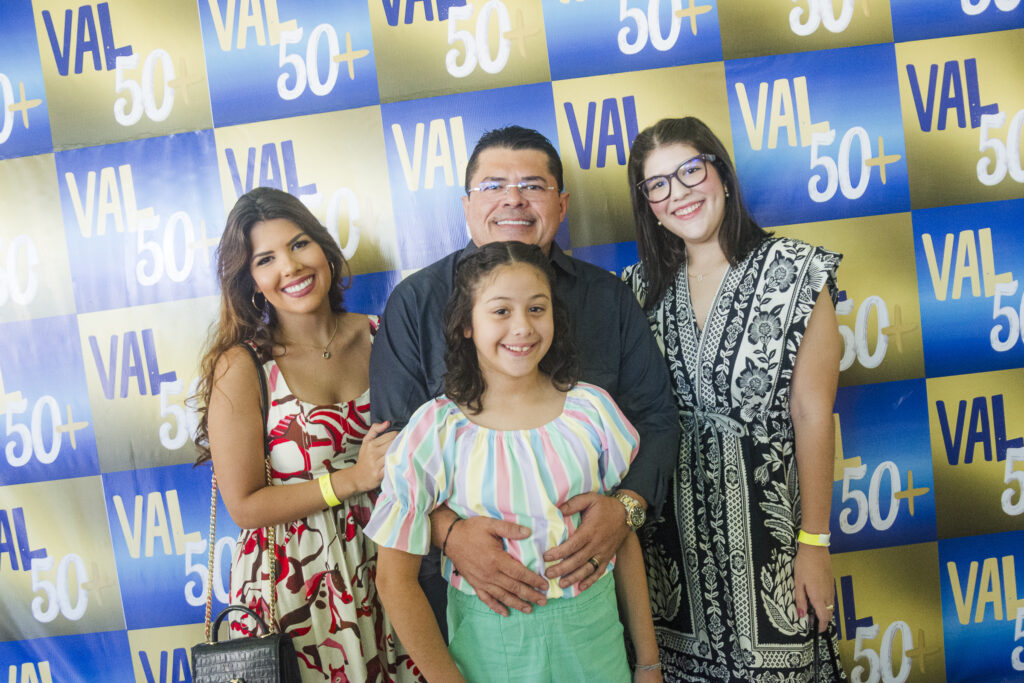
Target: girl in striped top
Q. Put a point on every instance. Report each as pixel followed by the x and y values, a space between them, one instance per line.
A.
pixel 513 438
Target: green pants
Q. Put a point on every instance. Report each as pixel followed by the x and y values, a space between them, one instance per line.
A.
pixel 569 639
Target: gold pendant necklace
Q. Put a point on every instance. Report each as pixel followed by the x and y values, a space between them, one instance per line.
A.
pixel 325 354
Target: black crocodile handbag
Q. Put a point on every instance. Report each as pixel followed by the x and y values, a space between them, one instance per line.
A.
pixel 269 658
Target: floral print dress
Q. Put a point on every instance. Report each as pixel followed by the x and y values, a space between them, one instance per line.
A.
pixel 326 596
pixel 720 558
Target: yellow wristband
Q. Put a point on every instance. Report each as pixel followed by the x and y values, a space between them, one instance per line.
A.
pixel 820 540
pixel 327 491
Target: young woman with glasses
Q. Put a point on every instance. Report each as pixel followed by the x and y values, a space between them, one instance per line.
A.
pixel 747 324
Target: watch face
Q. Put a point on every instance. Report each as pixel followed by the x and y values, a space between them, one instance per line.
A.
pixel 635 515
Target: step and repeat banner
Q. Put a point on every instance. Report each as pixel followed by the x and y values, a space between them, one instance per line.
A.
pixel 888 130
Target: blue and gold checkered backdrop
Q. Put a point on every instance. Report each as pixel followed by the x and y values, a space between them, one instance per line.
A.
pixel 889 130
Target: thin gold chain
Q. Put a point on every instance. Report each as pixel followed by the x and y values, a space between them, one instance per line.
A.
pixel 324 352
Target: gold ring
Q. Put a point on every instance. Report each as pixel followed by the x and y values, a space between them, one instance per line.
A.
pixel 594 563
pixel 832 606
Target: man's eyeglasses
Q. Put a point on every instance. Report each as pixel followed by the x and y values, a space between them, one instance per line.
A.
pixel 690 173
pixel 529 191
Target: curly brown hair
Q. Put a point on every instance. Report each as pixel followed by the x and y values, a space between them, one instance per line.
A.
pixel 463 381
pixel 241 317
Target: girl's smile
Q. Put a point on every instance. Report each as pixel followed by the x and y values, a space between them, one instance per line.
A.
pixel 519 349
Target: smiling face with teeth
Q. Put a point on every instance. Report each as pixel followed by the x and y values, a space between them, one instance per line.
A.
pixel 288 267
pixel 694 214
pixel 510 217
pixel 512 323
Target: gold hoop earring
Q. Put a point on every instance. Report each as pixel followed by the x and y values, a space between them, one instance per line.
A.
pixel 253 299
pixel 331 264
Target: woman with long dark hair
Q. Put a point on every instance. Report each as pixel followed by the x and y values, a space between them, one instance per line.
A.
pixel 747 324
pixel 282 277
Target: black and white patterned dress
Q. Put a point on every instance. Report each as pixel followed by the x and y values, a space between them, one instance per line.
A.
pixel 720 559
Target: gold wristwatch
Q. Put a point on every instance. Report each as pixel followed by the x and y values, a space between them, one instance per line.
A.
pixel 635 513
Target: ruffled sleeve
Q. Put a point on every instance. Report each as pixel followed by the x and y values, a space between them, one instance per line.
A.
pixel 416 480
pixel 619 439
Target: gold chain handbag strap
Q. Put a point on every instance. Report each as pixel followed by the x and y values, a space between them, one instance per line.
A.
pixel 268 531
pixel 272 547
pixel 212 536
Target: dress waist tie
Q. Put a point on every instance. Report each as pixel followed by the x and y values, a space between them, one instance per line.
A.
pixel 718 423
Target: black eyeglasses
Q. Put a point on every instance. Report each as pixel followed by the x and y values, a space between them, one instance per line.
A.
pixel 690 173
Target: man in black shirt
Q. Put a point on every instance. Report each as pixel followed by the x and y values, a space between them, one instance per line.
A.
pixel 514 191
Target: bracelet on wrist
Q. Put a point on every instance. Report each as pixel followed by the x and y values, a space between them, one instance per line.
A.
pixel 818 540
pixel 444 546
pixel 327 490
pixel 647 667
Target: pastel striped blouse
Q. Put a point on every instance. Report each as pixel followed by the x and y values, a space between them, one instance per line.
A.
pixel 520 476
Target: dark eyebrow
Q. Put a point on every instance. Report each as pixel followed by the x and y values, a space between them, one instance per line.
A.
pixel 502 179
pixel 292 241
pixel 507 298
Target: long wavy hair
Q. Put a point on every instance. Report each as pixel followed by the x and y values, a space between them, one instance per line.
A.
pixel 662 253
pixel 464 382
pixel 246 315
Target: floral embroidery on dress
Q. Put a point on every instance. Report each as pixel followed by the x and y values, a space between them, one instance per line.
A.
pixel 754 381
pixel 765 328
pixel 780 273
